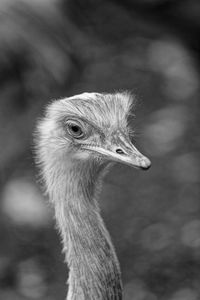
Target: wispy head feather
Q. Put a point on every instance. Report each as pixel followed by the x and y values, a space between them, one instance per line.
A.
pixel 103 109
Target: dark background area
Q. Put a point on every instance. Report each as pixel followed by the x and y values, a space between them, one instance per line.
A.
pixel 53 49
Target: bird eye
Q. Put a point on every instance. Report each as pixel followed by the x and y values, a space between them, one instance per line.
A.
pixel 74 129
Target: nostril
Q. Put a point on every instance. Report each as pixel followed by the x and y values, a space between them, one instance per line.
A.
pixel 120 151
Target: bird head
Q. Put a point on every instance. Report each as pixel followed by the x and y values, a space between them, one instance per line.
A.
pixel 92 126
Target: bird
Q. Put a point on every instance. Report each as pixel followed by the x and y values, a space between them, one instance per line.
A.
pixel 77 141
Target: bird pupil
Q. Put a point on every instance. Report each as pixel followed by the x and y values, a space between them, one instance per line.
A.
pixel 75 128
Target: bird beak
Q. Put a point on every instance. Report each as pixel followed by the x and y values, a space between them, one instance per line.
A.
pixel 122 150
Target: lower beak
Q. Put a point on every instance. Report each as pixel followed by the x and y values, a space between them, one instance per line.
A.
pixel 125 153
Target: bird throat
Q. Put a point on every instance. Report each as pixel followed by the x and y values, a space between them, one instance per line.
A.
pixel 94 272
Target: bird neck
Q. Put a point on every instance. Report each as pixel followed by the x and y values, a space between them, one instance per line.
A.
pixel 94 272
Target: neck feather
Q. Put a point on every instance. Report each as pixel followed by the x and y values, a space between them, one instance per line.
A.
pixel 94 272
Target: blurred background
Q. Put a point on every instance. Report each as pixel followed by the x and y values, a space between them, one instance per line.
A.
pixel 56 48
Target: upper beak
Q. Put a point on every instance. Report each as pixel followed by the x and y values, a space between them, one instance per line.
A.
pixel 122 150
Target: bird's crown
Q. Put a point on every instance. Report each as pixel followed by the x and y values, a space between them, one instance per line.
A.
pixel 104 110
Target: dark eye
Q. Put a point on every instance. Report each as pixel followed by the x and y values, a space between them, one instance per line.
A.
pixel 74 129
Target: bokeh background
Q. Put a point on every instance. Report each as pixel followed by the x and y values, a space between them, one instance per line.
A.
pixel 56 48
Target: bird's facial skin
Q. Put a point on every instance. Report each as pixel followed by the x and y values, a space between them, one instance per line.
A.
pixel 112 145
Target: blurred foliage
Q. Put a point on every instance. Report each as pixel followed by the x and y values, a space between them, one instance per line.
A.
pixel 51 49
